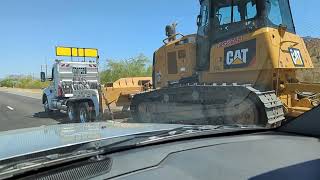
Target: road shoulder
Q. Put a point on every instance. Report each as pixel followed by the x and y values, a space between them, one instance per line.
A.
pixel 32 93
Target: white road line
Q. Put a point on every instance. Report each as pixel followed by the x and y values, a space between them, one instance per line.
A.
pixel 10 108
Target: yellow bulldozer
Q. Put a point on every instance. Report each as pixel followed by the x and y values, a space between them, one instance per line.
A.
pixel 240 68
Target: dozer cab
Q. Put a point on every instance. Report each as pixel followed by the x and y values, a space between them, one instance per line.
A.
pixel 240 68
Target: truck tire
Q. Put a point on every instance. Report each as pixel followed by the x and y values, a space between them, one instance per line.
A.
pixel 73 112
pixel 84 113
pixel 46 106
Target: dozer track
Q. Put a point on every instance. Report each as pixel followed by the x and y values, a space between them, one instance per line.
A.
pixel 212 104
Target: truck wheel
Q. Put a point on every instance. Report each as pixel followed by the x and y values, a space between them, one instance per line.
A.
pixel 84 113
pixel 46 106
pixel 73 112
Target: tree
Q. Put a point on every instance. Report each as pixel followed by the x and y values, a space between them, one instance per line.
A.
pixel 139 66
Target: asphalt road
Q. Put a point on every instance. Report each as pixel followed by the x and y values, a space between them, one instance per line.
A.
pixel 18 112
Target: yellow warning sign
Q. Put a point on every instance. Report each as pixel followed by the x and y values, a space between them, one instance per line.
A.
pixel 77 52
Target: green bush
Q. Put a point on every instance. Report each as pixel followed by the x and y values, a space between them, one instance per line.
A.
pixel 7 83
pixel 139 66
pixel 24 82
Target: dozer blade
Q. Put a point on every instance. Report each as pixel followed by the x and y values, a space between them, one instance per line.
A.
pixel 208 105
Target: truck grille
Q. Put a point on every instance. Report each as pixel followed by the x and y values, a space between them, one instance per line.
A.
pixel 69 87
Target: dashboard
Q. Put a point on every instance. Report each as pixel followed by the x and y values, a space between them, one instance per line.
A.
pixel 260 156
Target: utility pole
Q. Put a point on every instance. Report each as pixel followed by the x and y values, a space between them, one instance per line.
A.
pixel 46 65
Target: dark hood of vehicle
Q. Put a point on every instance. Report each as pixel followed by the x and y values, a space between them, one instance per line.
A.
pixel 27 141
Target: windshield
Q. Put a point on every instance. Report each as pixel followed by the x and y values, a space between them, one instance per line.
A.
pixel 278 12
pixel 235 63
pixel 233 18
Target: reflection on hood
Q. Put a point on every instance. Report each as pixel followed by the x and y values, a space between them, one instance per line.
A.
pixel 27 141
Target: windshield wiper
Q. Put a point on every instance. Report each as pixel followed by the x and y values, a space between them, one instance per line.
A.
pixel 9 171
pixel 95 151
pixel 197 130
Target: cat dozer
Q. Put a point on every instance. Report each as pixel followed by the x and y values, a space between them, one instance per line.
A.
pixel 240 68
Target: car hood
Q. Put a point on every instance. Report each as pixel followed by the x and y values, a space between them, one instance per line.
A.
pixel 28 141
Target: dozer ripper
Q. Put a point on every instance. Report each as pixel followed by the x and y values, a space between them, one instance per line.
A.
pixel 240 68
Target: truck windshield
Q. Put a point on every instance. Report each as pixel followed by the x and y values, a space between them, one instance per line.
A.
pixel 278 12
pixel 235 17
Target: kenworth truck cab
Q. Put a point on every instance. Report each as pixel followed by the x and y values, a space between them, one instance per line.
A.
pixel 75 84
pixel 74 87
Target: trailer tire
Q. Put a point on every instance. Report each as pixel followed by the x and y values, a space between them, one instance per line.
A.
pixel 84 113
pixel 73 112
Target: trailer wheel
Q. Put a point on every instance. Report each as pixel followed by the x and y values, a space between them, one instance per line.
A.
pixel 73 112
pixel 84 113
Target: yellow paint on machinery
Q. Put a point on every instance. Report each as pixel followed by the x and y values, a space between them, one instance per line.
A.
pixel 271 68
pixel 175 61
pixel 120 92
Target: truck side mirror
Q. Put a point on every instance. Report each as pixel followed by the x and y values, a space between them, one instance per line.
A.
pixel 199 19
pixel 43 76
